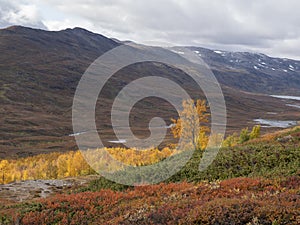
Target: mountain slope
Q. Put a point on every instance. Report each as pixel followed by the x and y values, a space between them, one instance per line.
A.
pixel 253 72
pixel 39 72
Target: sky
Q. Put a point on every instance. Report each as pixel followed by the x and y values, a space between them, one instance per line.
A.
pixel 266 26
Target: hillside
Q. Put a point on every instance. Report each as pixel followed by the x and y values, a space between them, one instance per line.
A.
pixel 253 72
pixel 39 72
pixel 253 183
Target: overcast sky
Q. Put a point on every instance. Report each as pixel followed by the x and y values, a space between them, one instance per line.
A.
pixel 268 26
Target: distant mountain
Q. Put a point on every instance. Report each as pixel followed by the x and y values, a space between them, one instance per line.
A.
pixel 253 72
pixel 40 70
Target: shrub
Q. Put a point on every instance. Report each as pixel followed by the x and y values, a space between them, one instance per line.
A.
pixel 234 201
pixel 244 136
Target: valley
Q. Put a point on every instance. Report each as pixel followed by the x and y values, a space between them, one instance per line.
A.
pixel 45 179
pixel 40 71
pixel 254 182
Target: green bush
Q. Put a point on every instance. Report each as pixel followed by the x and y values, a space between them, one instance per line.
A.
pixel 252 160
pixel 244 136
pixel 6 220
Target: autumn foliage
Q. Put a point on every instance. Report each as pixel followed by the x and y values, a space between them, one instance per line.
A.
pixel 231 191
pixel 234 201
pixel 72 164
pixel 192 124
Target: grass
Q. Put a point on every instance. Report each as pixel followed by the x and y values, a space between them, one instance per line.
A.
pixel 265 158
pixel 254 183
pixel 233 201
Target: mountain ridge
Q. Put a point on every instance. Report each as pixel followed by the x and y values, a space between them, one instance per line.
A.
pixel 40 71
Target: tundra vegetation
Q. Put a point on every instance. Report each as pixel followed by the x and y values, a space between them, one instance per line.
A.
pixel 255 179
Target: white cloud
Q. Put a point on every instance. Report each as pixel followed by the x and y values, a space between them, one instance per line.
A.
pixel 269 26
pixel 13 13
pixel 66 23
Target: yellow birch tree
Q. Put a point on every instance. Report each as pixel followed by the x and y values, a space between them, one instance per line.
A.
pixel 192 124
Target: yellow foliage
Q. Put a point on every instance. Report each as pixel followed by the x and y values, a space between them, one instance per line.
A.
pixel 135 157
pixel 60 165
pixel 191 127
pixel 231 140
pixel 44 166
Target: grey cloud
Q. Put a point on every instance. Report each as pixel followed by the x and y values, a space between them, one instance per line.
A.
pixel 229 24
pixel 268 19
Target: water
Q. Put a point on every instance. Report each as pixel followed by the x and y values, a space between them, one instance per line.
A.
pixel 276 123
pixel 76 134
pixel 287 97
pixel 295 106
pixel 121 141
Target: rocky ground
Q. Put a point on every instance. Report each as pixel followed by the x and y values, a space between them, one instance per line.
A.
pixel 34 189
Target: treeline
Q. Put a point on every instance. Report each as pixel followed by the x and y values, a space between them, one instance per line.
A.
pixel 44 166
pixel 135 157
pixel 261 157
pixel 72 164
